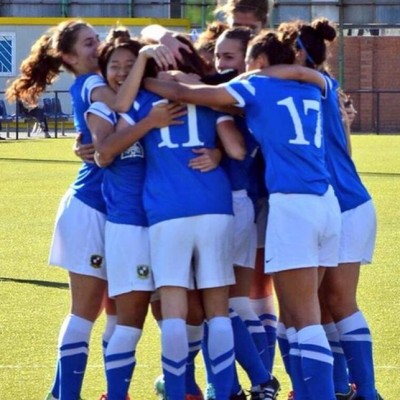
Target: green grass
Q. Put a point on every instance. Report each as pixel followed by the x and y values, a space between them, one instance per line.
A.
pixel 34 297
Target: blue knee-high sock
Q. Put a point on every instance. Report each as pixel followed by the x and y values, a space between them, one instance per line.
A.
pixel 111 322
pixel 340 374
pixel 236 387
pixel 246 352
pixel 356 341
pixel 175 350
pixel 195 336
pixel 284 346
pixel 316 362
pixel 55 390
pixel 222 355
pixel 120 361
pixel 73 353
pixel 265 309
pixel 242 306
pixel 294 368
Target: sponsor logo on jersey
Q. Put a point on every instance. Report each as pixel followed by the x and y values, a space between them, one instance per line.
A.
pixel 136 150
pixel 143 271
pixel 96 261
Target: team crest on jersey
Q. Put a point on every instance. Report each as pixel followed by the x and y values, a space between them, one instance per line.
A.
pixel 96 261
pixel 136 150
pixel 143 271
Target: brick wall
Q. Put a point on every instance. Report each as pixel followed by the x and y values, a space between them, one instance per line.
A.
pixel 371 63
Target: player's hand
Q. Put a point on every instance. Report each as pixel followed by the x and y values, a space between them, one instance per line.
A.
pixel 166 114
pixel 161 54
pixel 84 151
pixel 207 159
pixel 169 40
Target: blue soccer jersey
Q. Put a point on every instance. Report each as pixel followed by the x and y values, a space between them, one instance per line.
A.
pixel 239 171
pixel 123 179
pixel 285 118
pixel 172 188
pixel 87 186
pixel 349 189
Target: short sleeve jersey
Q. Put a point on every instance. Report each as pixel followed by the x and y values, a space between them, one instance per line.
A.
pixel 348 186
pixel 173 189
pixel 123 179
pixel 87 186
pixel 285 118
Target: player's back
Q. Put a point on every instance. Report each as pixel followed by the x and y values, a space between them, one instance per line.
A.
pixel 172 188
pixel 285 118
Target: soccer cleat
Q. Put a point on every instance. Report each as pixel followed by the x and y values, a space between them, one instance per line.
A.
pixel 378 397
pixel 198 396
pixel 194 397
pixel 266 391
pixel 210 392
pixel 350 395
pixel 239 396
pixel 159 388
pixel 105 397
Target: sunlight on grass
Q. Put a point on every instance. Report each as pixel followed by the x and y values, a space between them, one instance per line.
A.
pixel 35 299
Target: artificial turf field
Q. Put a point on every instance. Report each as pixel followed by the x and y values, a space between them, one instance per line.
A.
pixel 34 297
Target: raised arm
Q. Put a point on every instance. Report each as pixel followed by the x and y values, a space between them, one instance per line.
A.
pixel 123 99
pixel 166 37
pixel 202 95
pixel 295 73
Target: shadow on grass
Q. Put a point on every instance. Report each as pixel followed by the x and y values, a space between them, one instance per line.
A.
pixel 58 285
pixel 385 174
pixel 38 160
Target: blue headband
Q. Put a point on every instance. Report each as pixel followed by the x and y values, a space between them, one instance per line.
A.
pixel 300 44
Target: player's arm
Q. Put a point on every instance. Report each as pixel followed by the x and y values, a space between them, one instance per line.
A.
pixel 231 139
pixel 110 143
pixel 123 99
pixel 166 37
pixel 296 73
pixel 203 95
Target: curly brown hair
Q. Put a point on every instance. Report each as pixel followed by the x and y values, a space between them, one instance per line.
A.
pixel 44 63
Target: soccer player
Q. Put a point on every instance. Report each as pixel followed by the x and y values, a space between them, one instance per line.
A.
pixel 78 240
pixel 127 252
pixel 346 327
pixel 190 219
pixel 304 211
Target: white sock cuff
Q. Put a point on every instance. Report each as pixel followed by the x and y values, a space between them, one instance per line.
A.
pixel 111 322
pixel 313 334
pixel 74 329
pixel 264 305
pixel 243 307
pixel 331 331
pixel 351 323
pixel 195 332
pixel 291 335
pixel 281 330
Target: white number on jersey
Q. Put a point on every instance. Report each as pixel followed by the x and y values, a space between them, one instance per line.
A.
pixel 298 126
pixel 193 132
